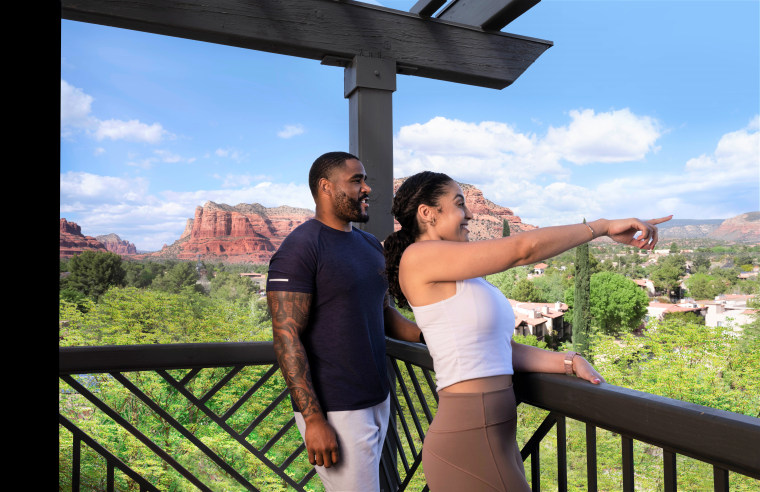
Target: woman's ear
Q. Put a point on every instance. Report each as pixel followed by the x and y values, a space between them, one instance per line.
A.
pixel 426 214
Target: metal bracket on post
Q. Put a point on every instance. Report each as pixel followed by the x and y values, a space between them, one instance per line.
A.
pixel 369 83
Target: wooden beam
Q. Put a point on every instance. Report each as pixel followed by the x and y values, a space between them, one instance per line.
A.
pixel 487 14
pixel 426 8
pixel 328 30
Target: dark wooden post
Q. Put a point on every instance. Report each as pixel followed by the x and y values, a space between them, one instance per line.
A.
pixel 369 86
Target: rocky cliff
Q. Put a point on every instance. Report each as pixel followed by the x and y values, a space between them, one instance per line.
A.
pixel 488 218
pixel 249 233
pixel 742 228
pixel 73 242
pixel 115 244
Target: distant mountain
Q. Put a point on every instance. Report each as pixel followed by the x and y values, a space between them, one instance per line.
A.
pixel 73 242
pixel 245 233
pixel 743 228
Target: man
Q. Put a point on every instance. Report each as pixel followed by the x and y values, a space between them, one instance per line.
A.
pixel 327 293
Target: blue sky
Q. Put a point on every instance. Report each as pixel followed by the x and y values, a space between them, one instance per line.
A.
pixel 641 108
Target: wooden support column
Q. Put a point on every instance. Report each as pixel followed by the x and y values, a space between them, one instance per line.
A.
pixel 369 86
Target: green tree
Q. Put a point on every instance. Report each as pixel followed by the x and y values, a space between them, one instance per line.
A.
pixel 93 272
pixel 232 287
pixel 525 291
pixel 616 304
pixel 581 295
pixel 551 286
pixel 705 286
pixel 505 228
pixel 182 277
pixel 666 275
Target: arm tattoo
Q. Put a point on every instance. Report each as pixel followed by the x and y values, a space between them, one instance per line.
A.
pixel 290 316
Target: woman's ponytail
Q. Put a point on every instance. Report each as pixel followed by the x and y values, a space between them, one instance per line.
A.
pixel 422 188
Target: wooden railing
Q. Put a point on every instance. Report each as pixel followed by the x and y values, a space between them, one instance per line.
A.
pixel 245 381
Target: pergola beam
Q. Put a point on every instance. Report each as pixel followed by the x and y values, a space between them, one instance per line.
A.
pixel 329 31
pixel 487 14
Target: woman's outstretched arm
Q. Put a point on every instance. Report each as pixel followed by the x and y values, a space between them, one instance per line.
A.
pixel 465 260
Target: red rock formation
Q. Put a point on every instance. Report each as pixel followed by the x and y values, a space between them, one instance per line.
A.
pixel 115 244
pixel 73 242
pixel 249 233
pixel 488 218
pixel 742 228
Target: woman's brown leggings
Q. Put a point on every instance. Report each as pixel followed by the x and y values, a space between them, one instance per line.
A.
pixel 470 445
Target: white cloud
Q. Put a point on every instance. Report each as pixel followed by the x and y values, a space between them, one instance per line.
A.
pixel 290 131
pixel 523 171
pixel 132 130
pixel 76 109
pixel 617 136
pixel 736 157
pixel 81 186
pixel 233 154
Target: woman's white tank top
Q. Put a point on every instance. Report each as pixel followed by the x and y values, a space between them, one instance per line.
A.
pixel 469 334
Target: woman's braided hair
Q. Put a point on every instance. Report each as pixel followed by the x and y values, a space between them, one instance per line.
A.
pixel 425 188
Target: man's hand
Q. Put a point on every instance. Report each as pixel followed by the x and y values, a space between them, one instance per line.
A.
pixel 321 442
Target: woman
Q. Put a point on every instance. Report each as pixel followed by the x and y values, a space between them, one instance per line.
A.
pixel 467 325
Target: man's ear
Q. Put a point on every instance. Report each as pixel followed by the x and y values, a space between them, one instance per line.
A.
pixel 324 186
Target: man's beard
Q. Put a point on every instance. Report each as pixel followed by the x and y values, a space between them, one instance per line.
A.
pixel 349 209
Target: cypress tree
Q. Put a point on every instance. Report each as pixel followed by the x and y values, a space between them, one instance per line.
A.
pixel 582 294
pixel 505 228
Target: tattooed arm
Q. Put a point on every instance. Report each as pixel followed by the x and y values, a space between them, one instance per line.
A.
pixel 290 315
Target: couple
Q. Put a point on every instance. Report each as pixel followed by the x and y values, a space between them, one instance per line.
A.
pixel 328 293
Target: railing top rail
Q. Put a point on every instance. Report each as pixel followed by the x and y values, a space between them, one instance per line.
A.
pixel 125 358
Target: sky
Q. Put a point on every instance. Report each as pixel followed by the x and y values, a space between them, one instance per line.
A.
pixel 640 108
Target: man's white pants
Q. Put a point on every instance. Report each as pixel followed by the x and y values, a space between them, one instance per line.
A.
pixel 360 442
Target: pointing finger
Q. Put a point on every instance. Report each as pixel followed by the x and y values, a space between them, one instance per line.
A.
pixel 660 220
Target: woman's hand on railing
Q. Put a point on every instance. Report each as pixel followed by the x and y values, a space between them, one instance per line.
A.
pixel 584 370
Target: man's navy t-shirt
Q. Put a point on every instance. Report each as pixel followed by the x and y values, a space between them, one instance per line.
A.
pixel 345 338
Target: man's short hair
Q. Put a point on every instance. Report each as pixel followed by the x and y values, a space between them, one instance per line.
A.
pixel 324 166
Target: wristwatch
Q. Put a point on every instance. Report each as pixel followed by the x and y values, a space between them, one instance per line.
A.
pixel 569 363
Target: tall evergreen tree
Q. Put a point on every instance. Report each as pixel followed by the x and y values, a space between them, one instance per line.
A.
pixel 582 295
pixel 505 228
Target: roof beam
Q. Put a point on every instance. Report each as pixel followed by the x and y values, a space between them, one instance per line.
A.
pixel 330 31
pixel 490 15
pixel 426 8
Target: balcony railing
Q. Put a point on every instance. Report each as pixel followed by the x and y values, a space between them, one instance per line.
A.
pixel 238 387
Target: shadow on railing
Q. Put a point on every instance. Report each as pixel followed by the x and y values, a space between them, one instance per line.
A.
pixel 217 417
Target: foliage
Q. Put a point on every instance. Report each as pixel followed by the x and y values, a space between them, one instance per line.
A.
pixel 551 286
pixel 666 274
pixel 581 314
pixel 232 287
pixel 93 272
pixel 705 286
pixel 126 316
pixel 709 366
pixel 182 277
pixel 506 280
pixel 616 303
pixel 505 228
pixel 524 291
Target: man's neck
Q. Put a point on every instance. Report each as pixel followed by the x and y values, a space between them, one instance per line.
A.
pixel 331 221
